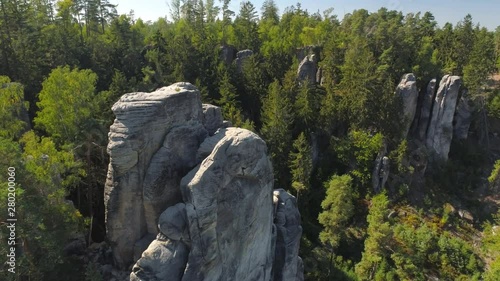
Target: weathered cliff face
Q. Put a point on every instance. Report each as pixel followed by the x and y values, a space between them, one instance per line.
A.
pixel 206 195
pixel 445 113
pixel 146 161
pixel 308 69
pixel 407 89
pixel 440 130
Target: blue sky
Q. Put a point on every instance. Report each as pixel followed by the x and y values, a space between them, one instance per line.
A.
pixel 486 12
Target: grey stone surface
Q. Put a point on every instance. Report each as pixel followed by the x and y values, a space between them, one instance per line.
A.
pixel 212 118
pixel 307 69
pixel 228 53
pixel 463 116
pixel 163 260
pixel 208 199
pixel 287 263
pixel 138 135
pixel 229 208
pixel 170 163
pixel 407 89
pixel 440 131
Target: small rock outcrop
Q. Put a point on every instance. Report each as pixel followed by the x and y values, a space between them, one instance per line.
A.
pixel 407 90
pixel 287 263
pixel 308 68
pixel 188 200
pixel 440 130
pixel 241 56
pixel 227 53
pixel 305 51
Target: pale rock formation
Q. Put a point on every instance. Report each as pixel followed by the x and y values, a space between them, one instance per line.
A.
pixel 407 90
pixel 307 69
pixel 139 150
pixel 229 209
pixel 207 199
pixel 212 118
pixel 440 131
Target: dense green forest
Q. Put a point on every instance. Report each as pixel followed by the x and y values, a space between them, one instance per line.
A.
pixel 63 64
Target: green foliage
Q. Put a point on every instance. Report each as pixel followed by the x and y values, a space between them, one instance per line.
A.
pixel 47 221
pixel 338 208
pixel 300 164
pixel 378 236
pixel 66 102
pixel 276 119
pixel 12 108
pixel 358 152
pixel 495 173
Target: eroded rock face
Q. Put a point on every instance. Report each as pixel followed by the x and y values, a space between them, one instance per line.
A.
pixel 241 56
pixel 229 209
pixel 307 69
pixel 407 89
pixel 287 263
pixel 147 161
pixel 440 131
pixel 212 118
pixel 207 199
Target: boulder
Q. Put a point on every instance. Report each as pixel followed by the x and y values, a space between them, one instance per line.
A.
pixel 163 260
pixel 440 131
pixel 407 90
pixel 142 180
pixel 212 118
pixel 463 116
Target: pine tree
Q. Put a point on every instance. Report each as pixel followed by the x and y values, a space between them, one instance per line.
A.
pixel 301 164
pixel 378 234
pixel 277 119
pixel 338 208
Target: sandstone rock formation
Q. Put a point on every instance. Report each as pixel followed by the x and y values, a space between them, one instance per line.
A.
pixel 241 56
pixel 227 53
pixel 381 171
pixel 139 149
pixel 205 192
pixel 440 130
pixel 287 264
pixel 307 69
pixel 407 89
